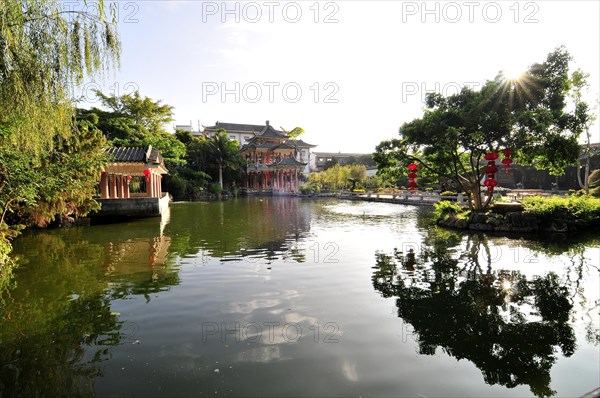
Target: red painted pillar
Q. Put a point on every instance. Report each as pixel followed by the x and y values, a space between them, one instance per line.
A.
pixel 112 186
pixel 104 185
pixel 126 189
pixel 149 184
pixel 296 188
pixel 122 186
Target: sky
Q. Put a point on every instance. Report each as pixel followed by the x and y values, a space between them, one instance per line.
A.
pixel 350 73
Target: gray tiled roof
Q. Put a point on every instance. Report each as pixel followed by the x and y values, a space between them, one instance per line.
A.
pixel 128 154
pixel 289 161
pixel 265 130
pixel 233 127
pixel 301 144
pixel 135 155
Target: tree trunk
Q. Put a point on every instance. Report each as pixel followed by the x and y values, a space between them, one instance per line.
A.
pixel 221 176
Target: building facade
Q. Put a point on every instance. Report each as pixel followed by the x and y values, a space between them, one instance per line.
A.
pixel 275 161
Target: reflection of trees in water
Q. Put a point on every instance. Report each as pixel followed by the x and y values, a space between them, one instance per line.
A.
pixel 48 358
pixel 504 323
pixel 57 324
pixel 254 227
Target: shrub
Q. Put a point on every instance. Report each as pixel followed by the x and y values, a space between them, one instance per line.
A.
pixel 443 208
pixel 576 207
pixel 448 193
pixel 215 188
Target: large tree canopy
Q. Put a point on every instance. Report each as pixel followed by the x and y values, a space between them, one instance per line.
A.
pixel 48 161
pixel 44 50
pixel 529 115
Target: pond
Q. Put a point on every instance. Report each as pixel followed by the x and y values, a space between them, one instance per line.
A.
pixel 293 297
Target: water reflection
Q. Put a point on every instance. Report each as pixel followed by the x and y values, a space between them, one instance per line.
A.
pixel 57 321
pixel 251 228
pixel 505 322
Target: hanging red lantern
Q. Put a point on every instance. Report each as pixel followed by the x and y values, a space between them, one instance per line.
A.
pixel 412 175
pixel 507 160
pixel 491 156
pixel 412 185
pixel 147 173
pixel 492 169
pixel 490 182
pixel 413 166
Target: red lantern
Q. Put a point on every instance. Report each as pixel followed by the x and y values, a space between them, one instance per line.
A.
pixel 507 152
pixel 506 162
pixel 412 175
pixel 490 169
pixel 490 182
pixel 413 166
pixel 147 174
pixel 412 184
pixel 491 156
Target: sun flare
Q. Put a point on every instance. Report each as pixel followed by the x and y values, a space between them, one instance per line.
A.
pixel 513 72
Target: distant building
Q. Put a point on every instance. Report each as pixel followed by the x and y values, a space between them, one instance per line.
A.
pixel 188 127
pixel 275 160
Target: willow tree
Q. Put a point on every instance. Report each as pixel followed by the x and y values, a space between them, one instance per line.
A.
pixel 529 115
pixel 45 51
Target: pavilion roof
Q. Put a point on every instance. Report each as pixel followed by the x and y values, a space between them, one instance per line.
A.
pixel 148 156
pixel 288 161
pixel 301 144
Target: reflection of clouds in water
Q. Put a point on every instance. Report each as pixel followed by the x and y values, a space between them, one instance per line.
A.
pixel 266 300
pixel 260 354
pixel 349 370
pixel 283 294
pixel 248 307
pixel 295 317
pixel 368 209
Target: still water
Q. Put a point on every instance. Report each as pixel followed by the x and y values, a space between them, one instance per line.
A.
pixel 292 297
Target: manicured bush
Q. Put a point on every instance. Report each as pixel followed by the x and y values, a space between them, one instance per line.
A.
pixel 443 208
pixel 584 208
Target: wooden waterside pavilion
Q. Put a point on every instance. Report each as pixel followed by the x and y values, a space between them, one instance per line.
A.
pixel 147 166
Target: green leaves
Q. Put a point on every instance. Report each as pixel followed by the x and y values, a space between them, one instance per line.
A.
pixel 529 115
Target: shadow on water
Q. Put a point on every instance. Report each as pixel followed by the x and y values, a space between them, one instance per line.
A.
pixel 507 324
pixel 57 323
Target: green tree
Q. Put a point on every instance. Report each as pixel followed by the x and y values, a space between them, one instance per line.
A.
pixel 224 153
pixel 145 112
pixel 45 50
pixel 578 87
pixel 133 120
pixel 529 115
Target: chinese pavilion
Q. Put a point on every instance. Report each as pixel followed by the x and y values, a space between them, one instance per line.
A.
pixel 274 160
pixel 144 165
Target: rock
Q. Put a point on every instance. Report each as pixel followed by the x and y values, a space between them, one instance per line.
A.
pixel 480 227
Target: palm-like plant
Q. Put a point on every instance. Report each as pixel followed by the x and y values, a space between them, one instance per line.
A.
pixel 223 152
